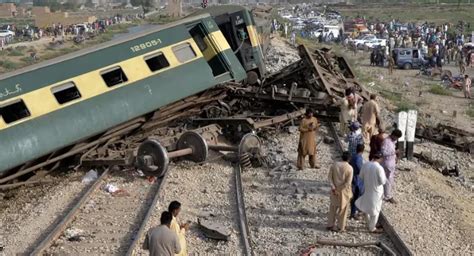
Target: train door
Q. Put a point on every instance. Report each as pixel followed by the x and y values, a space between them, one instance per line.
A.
pixel 210 50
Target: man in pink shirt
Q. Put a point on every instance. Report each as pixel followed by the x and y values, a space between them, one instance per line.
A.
pixel 389 163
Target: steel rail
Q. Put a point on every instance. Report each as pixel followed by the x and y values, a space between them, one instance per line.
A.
pixel 400 246
pixel 161 180
pixel 243 222
pixel 56 232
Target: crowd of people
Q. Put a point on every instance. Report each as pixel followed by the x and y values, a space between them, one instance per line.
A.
pixel 60 32
pixel 365 177
pixel 440 44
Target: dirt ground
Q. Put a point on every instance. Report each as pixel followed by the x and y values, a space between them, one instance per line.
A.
pixel 408 89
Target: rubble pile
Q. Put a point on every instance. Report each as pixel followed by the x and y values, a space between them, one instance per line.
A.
pixel 444 159
pixel 279 55
pixel 317 80
pixel 324 74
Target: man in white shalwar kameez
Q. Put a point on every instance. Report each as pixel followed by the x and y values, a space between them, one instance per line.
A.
pixel 373 176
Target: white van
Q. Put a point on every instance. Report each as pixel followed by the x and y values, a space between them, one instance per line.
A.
pixel 330 33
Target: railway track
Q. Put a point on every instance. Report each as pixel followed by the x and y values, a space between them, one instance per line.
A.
pixel 400 246
pixel 243 222
pixel 108 224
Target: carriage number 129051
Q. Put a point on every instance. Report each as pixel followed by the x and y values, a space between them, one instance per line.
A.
pixel 145 45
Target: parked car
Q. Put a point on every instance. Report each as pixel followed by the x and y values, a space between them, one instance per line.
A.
pixel 82 27
pixel 359 42
pixel 408 58
pixel 376 43
pixel 7 33
pixel 329 32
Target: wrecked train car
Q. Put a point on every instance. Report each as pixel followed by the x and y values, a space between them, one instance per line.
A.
pixel 239 28
pixel 60 102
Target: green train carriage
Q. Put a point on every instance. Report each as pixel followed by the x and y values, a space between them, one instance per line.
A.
pixel 242 33
pixel 54 104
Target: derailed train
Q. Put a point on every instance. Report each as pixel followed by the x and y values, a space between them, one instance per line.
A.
pixel 242 33
pixel 54 104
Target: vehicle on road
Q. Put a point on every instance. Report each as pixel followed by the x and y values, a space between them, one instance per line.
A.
pixel 408 58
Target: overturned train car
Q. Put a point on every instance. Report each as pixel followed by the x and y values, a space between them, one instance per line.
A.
pixel 57 103
pixel 243 35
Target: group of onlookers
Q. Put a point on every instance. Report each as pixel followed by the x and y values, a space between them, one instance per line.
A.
pixel 364 178
pixel 29 33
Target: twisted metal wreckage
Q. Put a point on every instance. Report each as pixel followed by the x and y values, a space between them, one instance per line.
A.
pixel 226 113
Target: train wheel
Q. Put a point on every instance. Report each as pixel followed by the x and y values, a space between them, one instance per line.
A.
pixel 252 77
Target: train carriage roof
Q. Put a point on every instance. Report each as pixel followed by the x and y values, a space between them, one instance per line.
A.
pixel 101 46
pixel 220 9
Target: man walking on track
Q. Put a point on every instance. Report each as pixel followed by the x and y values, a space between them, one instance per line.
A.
pixel 340 179
pixel 357 185
pixel 370 117
pixel 390 155
pixel 307 142
pixel 373 177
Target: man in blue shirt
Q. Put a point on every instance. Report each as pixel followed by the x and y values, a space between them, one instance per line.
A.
pixel 354 138
pixel 357 185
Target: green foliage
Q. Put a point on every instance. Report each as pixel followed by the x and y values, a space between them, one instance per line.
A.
pixel 391 96
pixel 17 51
pixel 404 105
pixel 439 90
pixel 27 60
pixel 9 65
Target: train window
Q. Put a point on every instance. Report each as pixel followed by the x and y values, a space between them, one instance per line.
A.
pixel 14 111
pixel 66 92
pixel 114 76
pixel 184 52
pixel 156 62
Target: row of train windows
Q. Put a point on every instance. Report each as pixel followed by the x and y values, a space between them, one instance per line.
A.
pixel 16 110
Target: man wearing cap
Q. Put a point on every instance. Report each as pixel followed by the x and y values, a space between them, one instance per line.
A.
pixel 373 176
pixel 370 117
pixel 307 142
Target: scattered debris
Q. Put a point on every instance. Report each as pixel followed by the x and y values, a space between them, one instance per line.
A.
pixel 90 176
pixel 214 230
pixel 328 140
pixel 74 234
pixel 110 188
pixel 115 191
pixel 447 136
